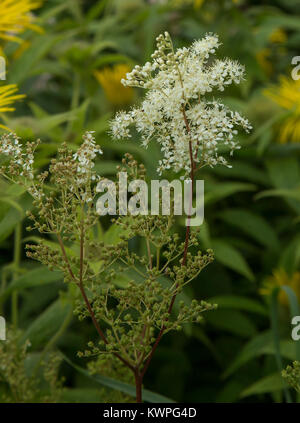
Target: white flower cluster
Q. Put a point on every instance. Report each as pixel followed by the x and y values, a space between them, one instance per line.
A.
pixel 22 161
pixel 175 111
pixel 85 156
pixel 22 156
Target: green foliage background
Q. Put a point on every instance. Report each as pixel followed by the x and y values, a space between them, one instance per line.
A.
pixel 252 210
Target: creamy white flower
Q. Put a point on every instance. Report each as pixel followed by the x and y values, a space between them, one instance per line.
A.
pixel 85 156
pixel 11 146
pixel 175 111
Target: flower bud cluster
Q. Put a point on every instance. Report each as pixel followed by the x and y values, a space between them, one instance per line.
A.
pixel 292 375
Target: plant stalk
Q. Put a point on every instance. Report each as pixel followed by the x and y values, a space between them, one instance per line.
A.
pixel 16 265
pixel 186 245
pixel 138 385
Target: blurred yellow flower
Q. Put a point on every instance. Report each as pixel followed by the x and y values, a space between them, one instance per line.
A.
pixel 262 57
pixel 287 95
pixel 278 36
pixel 110 80
pixel 15 17
pixel 198 3
pixel 7 97
pixel 278 279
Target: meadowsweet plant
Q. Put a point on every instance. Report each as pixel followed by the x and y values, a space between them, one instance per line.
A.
pixel 131 297
pixel 178 111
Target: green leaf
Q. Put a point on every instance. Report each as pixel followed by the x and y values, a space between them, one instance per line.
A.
pixel 232 321
pixel 46 124
pixel 37 277
pixel 47 324
pixel 113 234
pixel 271 383
pixel 14 216
pixel 25 66
pixel 265 128
pixel 282 20
pixel 77 121
pixel 259 345
pixel 290 256
pixel 253 348
pixel 284 173
pixel 239 303
pixel 253 225
pixel 232 258
pixel 222 190
pixel 200 334
pixel 13 204
pixel 286 193
pixel 148 396
pixel 242 170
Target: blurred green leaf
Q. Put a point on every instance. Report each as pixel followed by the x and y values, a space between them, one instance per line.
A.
pixel 225 189
pixel 232 258
pixel 265 385
pixel 14 216
pixel 242 170
pixel 32 278
pixel 231 321
pixel 239 303
pixel 262 344
pixel 290 255
pixel 285 176
pixel 26 64
pixel 47 324
pixel 253 225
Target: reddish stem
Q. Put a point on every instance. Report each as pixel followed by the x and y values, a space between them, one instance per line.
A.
pixel 138 385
